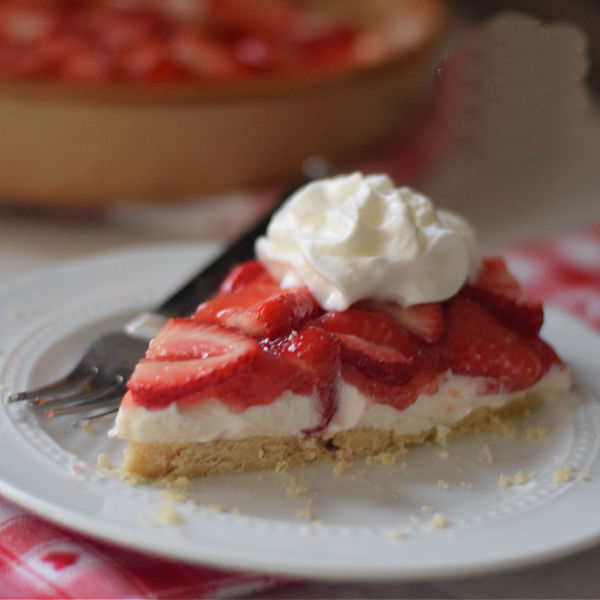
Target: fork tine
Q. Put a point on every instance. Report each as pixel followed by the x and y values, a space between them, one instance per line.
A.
pixel 97 397
pixel 91 419
pixel 70 410
pixel 99 389
pixel 89 390
pixel 73 382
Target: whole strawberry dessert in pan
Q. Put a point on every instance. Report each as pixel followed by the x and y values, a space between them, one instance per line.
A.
pixel 106 93
pixel 368 323
pixel 158 41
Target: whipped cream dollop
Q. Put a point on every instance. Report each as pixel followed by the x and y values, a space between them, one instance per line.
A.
pixel 354 237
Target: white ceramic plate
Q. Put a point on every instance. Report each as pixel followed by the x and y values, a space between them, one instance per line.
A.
pixel 370 523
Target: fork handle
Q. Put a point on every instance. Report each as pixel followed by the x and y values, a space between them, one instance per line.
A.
pixel 205 284
pixel 201 287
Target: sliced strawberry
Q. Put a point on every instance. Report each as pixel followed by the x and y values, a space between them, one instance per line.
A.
pixel 58 47
pixel 86 66
pixel 243 274
pixel 545 352
pixel 182 11
pixel 425 381
pixel 204 56
pixel 269 18
pixel 186 356
pixel 426 321
pixel 262 55
pixel 495 277
pixel 117 29
pixel 24 62
pixel 333 48
pixel 181 339
pixel 24 22
pixel 259 381
pixel 499 292
pixel 165 70
pixel 140 60
pixel 379 362
pixel 373 343
pixel 225 306
pixel 287 310
pixel 261 309
pixel 477 344
pixel 317 356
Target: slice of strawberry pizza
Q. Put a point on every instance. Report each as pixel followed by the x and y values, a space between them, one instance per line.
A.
pixel 262 377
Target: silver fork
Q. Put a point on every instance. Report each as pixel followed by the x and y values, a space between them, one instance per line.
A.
pixel 97 383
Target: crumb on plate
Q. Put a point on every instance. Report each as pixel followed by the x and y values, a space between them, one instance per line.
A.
pixel 167 514
pixel 397 533
pixel 306 511
pixel 485 455
pixel 438 521
pixel 103 462
pixel 503 480
pixel 520 477
pixel 341 466
pixel 539 431
pixel 564 475
pixel 385 458
pixel 295 487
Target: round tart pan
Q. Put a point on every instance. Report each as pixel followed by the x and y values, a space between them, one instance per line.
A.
pixel 69 145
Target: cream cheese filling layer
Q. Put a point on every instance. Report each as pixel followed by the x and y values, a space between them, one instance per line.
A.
pixel 210 420
pixel 291 414
pixel 455 399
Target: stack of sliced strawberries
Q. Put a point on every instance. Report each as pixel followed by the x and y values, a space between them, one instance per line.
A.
pixel 255 341
pixel 155 41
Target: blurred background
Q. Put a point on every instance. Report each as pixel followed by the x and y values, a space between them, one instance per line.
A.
pixel 128 122
pixel 585 14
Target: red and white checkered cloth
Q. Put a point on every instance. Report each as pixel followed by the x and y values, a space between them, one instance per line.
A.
pixel 563 271
pixel 41 560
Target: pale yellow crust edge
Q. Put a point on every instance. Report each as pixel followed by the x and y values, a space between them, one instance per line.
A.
pixel 192 459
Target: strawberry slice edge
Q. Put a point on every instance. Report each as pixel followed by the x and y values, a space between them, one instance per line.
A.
pixel 158 381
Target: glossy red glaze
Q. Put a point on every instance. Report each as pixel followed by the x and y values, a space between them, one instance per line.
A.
pixel 259 308
pixel 297 348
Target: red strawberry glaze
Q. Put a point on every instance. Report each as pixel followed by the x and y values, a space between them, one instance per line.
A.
pixel 478 344
pixel 242 275
pixel 263 378
pixel 317 355
pixel 499 292
pixel 474 343
pixel 268 18
pixel 260 307
pixel 373 343
pixel 398 396
pixel 426 321
pixel 186 356
pixel 391 356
